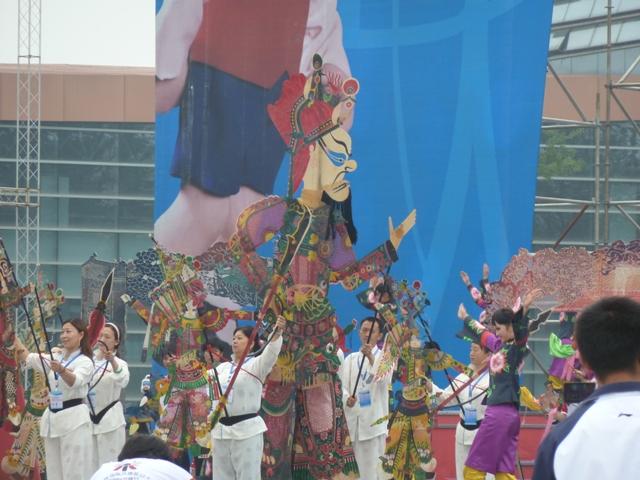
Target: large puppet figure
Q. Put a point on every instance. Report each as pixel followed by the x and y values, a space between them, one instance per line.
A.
pixel 307 433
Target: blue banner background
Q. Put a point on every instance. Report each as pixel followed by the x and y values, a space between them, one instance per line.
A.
pixel 448 122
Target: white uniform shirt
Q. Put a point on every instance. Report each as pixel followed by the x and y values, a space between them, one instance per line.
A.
pixel 107 390
pixel 57 424
pixel 246 394
pixel 597 441
pixel 474 391
pixel 359 418
pixel 141 469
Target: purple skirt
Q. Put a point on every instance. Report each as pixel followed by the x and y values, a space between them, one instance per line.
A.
pixel 494 448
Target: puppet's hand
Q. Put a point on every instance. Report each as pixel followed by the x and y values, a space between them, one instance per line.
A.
pixel 397 234
pixel 465 278
pixel 485 271
pixel 462 312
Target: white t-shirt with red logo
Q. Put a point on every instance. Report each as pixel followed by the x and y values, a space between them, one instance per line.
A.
pixel 141 469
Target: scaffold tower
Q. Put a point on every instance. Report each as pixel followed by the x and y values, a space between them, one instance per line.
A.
pixel 24 196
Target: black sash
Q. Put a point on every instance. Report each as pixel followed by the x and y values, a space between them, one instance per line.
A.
pixel 470 427
pixel 229 421
pixel 97 418
pixel 67 404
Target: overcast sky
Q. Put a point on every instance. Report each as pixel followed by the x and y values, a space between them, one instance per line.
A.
pixel 87 32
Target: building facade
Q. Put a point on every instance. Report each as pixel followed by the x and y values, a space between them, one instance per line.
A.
pixel 97 151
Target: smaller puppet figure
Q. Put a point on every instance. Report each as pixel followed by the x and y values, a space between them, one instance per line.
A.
pixel 26 457
pixel 11 295
pixel 408 452
pixel 175 316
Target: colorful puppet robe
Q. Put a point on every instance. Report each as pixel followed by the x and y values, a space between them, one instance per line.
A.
pixel 26 458
pixel 26 454
pixel 408 450
pixel 178 327
pixel 399 304
pixel 11 294
pixel 307 433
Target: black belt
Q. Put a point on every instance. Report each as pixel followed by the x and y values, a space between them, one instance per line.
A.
pixel 229 421
pixel 97 418
pixel 67 404
pixel 470 427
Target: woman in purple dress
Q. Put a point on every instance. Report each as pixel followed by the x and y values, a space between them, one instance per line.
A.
pixel 494 448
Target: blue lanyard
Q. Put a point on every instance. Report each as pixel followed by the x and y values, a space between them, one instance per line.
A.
pixel 65 365
pixel 472 386
pixel 231 370
pixel 365 368
pixel 97 368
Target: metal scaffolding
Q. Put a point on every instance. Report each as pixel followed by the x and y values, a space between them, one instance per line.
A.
pixel 601 201
pixel 28 80
pixel 24 196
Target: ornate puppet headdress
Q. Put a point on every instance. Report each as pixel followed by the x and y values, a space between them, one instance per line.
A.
pixel 308 109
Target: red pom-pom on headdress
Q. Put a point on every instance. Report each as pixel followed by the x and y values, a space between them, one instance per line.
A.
pixel 298 119
pixel 301 119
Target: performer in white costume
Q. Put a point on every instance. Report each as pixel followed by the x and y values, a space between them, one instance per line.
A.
pixel 471 413
pixel 237 439
pixel 370 402
pixel 110 377
pixel 65 424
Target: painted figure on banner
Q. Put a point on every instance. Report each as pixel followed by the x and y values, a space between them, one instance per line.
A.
pixel 223 62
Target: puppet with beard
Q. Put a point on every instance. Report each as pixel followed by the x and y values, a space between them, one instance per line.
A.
pixel 307 435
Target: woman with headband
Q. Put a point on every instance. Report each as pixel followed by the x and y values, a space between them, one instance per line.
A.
pixel 110 376
pixel 66 424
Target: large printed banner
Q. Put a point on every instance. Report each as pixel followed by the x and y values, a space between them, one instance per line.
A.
pixel 447 121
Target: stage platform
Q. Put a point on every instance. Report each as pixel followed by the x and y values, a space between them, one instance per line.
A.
pixel 443 438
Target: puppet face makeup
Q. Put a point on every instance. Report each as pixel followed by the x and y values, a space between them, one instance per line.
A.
pixel 329 164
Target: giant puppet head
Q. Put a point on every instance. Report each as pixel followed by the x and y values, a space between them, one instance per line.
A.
pixel 309 116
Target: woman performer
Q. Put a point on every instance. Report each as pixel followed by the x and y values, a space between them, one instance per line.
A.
pixel 66 424
pixel 238 438
pixel 110 377
pixel 494 448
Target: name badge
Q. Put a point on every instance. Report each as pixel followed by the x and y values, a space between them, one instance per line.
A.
pixel 470 416
pixel 55 400
pixel 364 398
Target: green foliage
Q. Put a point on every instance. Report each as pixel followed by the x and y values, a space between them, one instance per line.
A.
pixel 556 159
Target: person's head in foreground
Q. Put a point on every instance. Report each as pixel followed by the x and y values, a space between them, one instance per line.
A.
pixel 144 446
pixel 608 338
pixel 143 457
pixel 599 439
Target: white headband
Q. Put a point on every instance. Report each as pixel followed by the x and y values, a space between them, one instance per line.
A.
pixel 115 327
